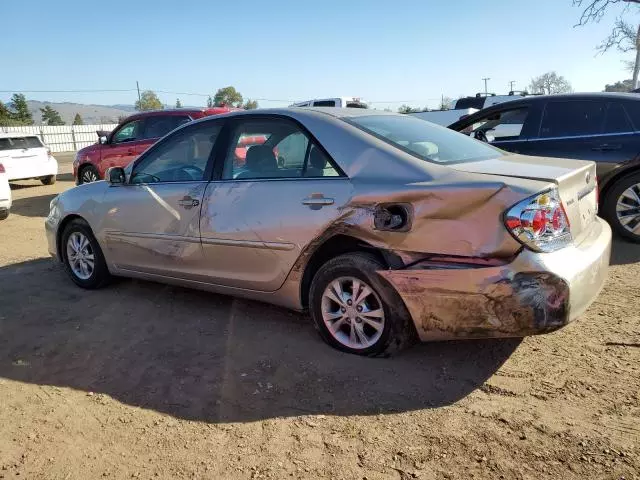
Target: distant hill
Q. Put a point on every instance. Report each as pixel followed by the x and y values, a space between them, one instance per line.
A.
pixel 89 113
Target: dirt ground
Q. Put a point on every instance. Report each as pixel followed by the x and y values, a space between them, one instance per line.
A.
pixel 141 380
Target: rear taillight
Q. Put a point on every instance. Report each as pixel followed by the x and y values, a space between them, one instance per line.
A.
pixel 2 170
pixel 540 222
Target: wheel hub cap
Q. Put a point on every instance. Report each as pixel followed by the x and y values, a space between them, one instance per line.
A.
pixel 628 209
pixel 80 255
pixel 352 312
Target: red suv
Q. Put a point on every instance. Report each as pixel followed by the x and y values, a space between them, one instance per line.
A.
pixel 132 137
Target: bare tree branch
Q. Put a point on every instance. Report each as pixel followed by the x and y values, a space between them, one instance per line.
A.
pixel 595 9
pixel 622 37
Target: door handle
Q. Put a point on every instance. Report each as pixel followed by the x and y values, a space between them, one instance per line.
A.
pixel 188 202
pixel 317 201
pixel 607 147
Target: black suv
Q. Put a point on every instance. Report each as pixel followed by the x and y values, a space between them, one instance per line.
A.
pixel 602 127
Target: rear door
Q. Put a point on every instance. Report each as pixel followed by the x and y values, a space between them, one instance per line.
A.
pixel 258 217
pixel 571 129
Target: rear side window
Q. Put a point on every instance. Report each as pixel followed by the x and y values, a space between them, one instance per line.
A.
pixel 325 103
pixel 156 127
pixel 616 120
pixel 633 110
pixel 500 126
pixel 470 102
pixel 572 118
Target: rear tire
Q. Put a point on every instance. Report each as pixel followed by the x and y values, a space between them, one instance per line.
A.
pixel 380 321
pixel 4 214
pixel 82 256
pixel 88 174
pixel 621 207
pixel 50 180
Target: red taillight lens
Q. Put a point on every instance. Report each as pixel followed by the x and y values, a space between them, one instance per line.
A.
pixel 2 170
pixel 540 222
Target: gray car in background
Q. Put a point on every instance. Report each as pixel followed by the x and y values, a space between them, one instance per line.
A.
pixel 384 227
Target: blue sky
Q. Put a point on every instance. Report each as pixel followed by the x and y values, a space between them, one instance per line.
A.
pixel 387 52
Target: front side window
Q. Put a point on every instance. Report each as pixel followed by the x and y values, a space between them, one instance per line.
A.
pixel 572 118
pixel 129 132
pixel 182 157
pixel 160 125
pixel 501 126
pixel 424 139
pixel 274 148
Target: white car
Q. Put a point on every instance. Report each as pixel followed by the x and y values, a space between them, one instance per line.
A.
pixel 340 102
pixel 24 156
pixel 5 192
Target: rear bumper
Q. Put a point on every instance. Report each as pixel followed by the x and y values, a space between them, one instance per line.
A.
pixel 535 293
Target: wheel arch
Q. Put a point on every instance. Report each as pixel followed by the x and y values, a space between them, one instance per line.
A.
pixel 332 247
pixel 61 227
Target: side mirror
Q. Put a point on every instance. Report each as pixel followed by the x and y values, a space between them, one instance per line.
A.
pixel 102 140
pixel 115 176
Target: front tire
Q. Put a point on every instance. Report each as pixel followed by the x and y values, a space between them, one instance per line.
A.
pixel 88 174
pixel 355 310
pixel 4 214
pixel 82 256
pixel 621 207
pixel 48 180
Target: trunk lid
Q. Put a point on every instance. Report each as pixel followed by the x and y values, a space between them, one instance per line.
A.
pixel 575 180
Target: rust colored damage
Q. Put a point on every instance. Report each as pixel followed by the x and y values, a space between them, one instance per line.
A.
pixel 479 303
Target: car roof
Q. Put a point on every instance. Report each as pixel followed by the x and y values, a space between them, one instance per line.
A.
pixel 176 111
pixel 17 134
pixel 295 112
pixel 569 96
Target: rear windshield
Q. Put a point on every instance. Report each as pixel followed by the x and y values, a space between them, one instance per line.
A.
pixel 19 143
pixel 356 105
pixel 423 139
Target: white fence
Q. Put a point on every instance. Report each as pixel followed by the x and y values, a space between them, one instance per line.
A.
pixel 65 138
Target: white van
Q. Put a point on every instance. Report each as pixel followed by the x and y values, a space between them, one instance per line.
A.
pixel 339 102
pixel 24 156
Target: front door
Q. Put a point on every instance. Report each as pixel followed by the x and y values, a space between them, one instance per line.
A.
pixel 152 221
pixel 260 214
pixel 124 145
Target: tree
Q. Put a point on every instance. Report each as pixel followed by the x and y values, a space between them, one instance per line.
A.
pixel 250 104
pixel 178 103
pixel 148 101
pixel 228 96
pixel 51 116
pixel 625 35
pixel 21 113
pixel 623 86
pixel 5 116
pixel 77 120
pixel 550 83
pixel 446 103
pixel 407 109
pixel 209 102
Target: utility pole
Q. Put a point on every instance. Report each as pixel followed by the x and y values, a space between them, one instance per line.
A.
pixel 486 90
pixel 511 83
pixel 138 87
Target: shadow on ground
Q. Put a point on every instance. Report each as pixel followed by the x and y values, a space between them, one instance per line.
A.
pixel 208 357
pixel 624 252
pixel 32 206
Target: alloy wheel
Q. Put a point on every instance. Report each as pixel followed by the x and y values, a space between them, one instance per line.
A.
pixel 628 209
pixel 80 255
pixel 89 175
pixel 352 312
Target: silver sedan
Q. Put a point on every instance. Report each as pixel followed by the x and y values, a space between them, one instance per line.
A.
pixel 386 228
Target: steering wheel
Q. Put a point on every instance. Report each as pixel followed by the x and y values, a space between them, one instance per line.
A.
pixel 191 169
pixel 481 135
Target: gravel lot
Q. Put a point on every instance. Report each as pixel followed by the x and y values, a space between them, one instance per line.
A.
pixel 141 380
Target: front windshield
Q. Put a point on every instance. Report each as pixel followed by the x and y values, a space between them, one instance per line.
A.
pixel 423 139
